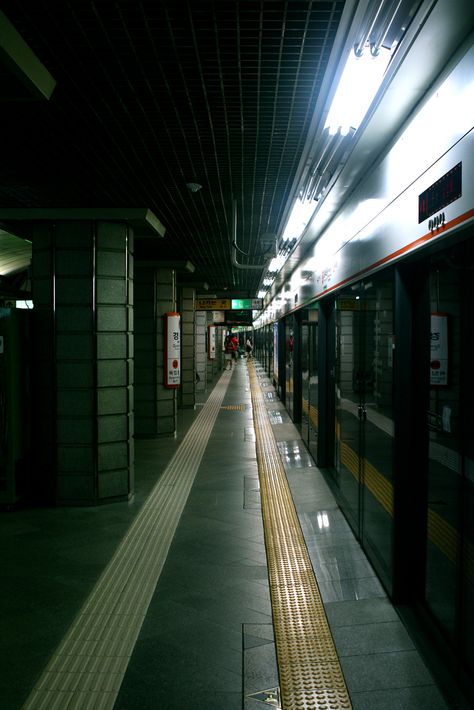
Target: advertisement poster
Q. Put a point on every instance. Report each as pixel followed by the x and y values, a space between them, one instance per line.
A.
pixel 172 349
pixel 439 350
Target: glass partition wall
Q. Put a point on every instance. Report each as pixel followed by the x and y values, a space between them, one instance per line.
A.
pixel 364 414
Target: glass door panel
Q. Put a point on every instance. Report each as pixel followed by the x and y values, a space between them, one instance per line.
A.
pixel 377 430
pixel 289 364
pixel 309 380
pixel 364 416
pixel 348 402
pixel 305 380
pixel 313 383
pixel 449 585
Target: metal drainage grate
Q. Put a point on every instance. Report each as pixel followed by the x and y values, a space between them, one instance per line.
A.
pixel 270 697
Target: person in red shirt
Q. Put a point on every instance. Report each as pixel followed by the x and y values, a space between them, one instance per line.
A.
pixel 230 350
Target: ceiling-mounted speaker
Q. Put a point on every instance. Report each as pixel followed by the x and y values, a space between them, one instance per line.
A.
pixel 193 186
pixel 268 244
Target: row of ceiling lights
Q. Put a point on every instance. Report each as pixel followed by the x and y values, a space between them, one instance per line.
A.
pixel 359 82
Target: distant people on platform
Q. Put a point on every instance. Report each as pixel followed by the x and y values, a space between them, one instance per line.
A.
pixel 230 350
pixel 249 348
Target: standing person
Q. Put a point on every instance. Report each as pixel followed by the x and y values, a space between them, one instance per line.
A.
pixel 230 350
pixel 235 347
pixel 249 348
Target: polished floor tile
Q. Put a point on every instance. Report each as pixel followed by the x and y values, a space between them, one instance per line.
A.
pixel 207 641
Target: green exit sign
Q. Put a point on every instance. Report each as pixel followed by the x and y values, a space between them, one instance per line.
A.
pixel 246 304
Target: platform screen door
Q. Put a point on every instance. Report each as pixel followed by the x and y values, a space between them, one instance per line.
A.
pixel 364 416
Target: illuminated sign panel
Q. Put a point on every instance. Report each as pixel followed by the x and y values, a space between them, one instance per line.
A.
pixel 227 304
pixel 444 191
pixel 172 350
pixel 242 317
pixel 212 304
pixel 247 304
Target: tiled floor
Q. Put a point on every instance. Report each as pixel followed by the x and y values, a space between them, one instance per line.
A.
pixel 207 640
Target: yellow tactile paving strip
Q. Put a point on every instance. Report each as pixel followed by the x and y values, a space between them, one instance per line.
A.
pixel 308 665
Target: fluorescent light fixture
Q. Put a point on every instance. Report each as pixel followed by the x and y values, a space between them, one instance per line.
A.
pixel 299 218
pixel 323 520
pixel 297 281
pixel 360 81
pixel 268 281
pixel 276 264
pixel 261 294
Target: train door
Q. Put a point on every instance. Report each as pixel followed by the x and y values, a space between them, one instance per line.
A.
pixel 364 414
pixel 309 380
pixel 449 581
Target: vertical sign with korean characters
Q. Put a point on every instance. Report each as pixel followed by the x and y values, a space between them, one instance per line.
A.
pixel 172 349
pixel 439 350
pixel 211 344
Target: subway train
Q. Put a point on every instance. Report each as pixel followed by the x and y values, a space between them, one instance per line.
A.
pixel 369 342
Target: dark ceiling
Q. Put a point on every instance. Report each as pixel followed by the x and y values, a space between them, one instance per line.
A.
pixel 153 95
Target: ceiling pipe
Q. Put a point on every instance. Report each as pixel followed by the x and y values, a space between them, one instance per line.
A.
pixel 235 247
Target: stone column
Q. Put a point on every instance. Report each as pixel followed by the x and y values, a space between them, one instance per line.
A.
pixel 155 405
pixel 146 362
pixel 200 347
pixel 186 393
pixel 211 367
pixel 166 398
pixel 83 360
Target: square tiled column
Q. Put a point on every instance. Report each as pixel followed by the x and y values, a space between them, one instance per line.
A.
pixel 187 396
pixel 83 360
pixel 200 349
pixel 155 405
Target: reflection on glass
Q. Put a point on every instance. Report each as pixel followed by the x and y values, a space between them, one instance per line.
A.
pixel 449 586
pixel 289 365
pixel 364 418
pixel 309 380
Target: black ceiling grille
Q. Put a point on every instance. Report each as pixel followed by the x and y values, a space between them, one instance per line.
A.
pixel 153 95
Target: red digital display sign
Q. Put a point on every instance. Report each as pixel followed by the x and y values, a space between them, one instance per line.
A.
pixel 444 191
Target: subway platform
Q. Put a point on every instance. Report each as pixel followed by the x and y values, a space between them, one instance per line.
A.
pixel 231 581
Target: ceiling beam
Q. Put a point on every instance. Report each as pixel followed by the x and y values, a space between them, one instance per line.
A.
pixel 23 63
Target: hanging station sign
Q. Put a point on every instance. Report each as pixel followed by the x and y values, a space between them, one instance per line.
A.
pixel 211 342
pixel 212 304
pixel 172 362
pixel 228 304
pixel 247 304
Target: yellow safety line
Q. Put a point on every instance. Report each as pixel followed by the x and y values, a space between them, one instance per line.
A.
pixel 440 532
pixel 308 665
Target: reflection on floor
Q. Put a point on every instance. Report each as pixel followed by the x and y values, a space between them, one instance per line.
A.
pixel 206 641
